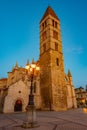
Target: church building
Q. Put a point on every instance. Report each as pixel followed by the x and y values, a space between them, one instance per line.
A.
pixel 52 88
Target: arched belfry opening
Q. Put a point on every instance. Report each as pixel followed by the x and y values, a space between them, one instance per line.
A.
pixel 18 105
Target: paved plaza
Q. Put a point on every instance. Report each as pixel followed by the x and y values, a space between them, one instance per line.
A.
pixel 75 119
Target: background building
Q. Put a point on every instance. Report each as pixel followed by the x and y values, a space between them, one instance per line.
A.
pixel 81 97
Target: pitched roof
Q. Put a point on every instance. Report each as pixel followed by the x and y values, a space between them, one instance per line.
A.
pixel 3 79
pixel 50 11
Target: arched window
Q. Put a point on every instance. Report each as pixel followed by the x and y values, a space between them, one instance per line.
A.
pixel 55 34
pixel 57 61
pixel 56 46
pixel 44 47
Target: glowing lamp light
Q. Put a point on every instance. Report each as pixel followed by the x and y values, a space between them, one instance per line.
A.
pixel 27 66
pixel 37 68
pixel 85 110
pixel 31 69
pixel 33 66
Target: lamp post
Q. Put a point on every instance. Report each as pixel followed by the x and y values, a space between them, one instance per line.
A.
pixel 30 121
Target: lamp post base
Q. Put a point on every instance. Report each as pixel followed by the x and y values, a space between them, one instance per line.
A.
pixel 30 121
pixel 29 125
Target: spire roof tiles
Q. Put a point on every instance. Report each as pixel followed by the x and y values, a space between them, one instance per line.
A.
pixel 49 11
pixel 69 73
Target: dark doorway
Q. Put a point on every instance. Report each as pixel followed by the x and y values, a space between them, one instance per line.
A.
pixel 18 106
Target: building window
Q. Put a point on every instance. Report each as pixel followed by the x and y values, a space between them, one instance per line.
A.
pixel 56 46
pixel 57 61
pixel 54 23
pixel 44 47
pixel 55 35
pixel 44 24
pixel 19 92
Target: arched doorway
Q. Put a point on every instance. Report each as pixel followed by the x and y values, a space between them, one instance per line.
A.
pixel 18 105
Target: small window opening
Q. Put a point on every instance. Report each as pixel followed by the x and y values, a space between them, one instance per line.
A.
pixel 57 61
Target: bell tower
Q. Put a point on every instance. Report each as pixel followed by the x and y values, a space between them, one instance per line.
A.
pixel 52 80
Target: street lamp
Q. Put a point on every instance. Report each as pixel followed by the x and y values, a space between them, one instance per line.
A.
pixel 31 122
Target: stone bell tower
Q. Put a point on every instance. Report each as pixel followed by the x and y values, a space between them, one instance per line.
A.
pixel 52 83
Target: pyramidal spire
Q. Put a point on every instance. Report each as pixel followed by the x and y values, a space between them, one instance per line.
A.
pixel 28 62
pixel 13 68
pixel 16 65
pixel 49 11
pixel 33 61
pixel 69 73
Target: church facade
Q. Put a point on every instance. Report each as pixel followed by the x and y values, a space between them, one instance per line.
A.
pixel 52 88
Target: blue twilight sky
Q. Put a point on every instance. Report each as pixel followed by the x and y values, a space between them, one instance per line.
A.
pixel 19 34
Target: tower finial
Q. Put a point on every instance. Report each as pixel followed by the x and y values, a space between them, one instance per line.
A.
pixel 28 63
pixel 69 73
pixel 16 64
pixel 33 61
pixel 13 68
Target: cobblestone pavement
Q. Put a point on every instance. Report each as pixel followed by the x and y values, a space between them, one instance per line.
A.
pixel 74 119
